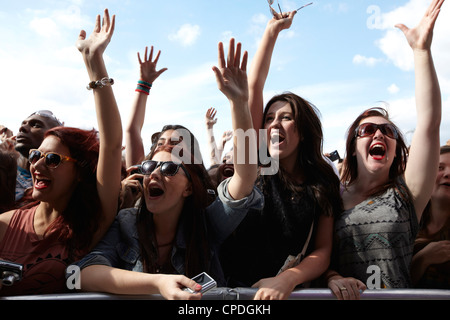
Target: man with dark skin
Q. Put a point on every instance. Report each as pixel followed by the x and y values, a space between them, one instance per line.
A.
pixel 30 136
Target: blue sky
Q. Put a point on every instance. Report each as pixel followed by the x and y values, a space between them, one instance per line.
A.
pixel 343 56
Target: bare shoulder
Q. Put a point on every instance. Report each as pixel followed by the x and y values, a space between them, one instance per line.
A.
pixel 5 218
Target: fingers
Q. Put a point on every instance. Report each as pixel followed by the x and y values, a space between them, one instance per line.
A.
pixel 244 61
pixel 82 35
pixel 221 57
pixel 237 57
pixel 97 26
pixel 230 58
pixel 150 58
pixel 402 27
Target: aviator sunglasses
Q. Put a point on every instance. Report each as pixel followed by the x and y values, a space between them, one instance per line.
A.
pixel 368 129
pixel 51 159
pixel 167 168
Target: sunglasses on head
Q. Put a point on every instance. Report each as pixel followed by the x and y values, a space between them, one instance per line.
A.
pixel 51 159
pixel 167 168
pixel 47 114
pixel 368 129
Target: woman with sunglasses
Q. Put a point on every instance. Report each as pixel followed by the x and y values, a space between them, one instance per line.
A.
pixel 300 198
pixel 76 175
pixel 176 232
pixel 387 189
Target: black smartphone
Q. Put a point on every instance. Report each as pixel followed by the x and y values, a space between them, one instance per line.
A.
pixel 334 155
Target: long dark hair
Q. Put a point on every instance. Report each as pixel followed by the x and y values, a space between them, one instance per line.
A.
pixel 8 175
pixel 80 220
pixel 192 218
pixel 350 165
pixel 423 236
pixel 316 172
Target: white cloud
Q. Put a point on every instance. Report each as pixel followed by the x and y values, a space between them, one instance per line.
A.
pixel 370 62
pixel 393 88
pixel 187 34
pixel 394 45
pixel 45 27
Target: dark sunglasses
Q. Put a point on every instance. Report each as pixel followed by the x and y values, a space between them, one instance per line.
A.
pixel 51 159
pixel 168 168
pixel 368 129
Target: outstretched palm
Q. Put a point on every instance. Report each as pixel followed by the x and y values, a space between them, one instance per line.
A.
pixel 100 37
pixel 231 75
pixel 420 37
pixel 148 71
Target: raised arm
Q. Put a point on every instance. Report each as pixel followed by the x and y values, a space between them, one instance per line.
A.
pixel 231 79
pixel 261 64
pixel 210 121
pixel 134 147
pixel 423 158
pixel 108 118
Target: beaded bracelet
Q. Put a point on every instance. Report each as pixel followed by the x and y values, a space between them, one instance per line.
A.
pixel 143 87
pixel 100 83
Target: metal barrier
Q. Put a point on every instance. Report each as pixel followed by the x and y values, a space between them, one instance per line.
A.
pixel 248 294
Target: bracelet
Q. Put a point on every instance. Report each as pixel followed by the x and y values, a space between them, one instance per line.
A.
pixel 143 87
pixel 100 83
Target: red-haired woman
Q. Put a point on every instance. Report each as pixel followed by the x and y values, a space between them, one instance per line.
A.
pixel 76 180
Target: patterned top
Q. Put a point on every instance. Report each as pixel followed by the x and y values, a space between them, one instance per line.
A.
pixel 379 231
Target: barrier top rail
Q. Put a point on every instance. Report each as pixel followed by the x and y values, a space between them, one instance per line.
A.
pixel 224 293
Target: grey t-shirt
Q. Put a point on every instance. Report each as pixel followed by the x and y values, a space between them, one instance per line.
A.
pixel 379 232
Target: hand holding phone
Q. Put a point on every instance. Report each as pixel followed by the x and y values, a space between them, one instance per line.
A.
pixel 205 280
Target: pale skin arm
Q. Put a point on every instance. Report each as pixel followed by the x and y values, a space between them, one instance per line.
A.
pixel 423 158
pixel 101 278
pixel 261 65
pixel 134 152
pixel 312 267
pixel 210 121
pixel 231 77
pixel 109 122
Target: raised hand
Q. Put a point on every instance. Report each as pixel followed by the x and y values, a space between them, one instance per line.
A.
pixel 231 75
pixel 210 117
pixel 281 21
pixel 100 37
pixel 420 37
pixel 148 71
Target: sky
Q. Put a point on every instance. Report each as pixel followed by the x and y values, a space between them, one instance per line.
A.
pixel 342 56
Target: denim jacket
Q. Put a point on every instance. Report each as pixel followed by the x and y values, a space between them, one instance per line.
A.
pixel 119 248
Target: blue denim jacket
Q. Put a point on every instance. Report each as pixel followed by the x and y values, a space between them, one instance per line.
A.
pixel 119 248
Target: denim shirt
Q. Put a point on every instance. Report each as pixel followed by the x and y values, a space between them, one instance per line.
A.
pixel 120 248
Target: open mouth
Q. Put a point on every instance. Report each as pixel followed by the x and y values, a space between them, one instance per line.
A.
pixel 377 151
pixel 41 183
pixel 276 137
pixel 155 192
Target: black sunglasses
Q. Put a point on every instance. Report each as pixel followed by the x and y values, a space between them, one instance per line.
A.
pixel 368 129
pixel 51 159
pixel 168 168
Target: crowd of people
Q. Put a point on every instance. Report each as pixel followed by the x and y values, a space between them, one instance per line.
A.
pixel 137 222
